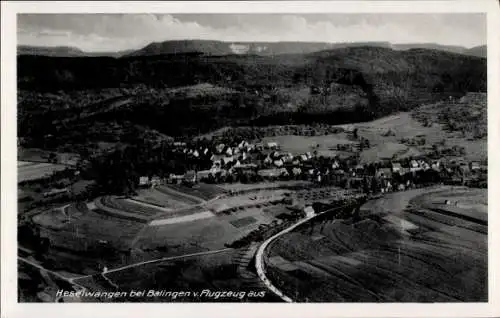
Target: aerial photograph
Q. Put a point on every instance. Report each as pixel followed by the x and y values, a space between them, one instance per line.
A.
pixel 252 158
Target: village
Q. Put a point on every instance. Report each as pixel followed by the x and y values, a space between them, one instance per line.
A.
pixel 248 162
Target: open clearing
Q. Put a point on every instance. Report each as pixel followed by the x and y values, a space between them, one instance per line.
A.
pixel 385 136
pixel 32 171
pixel 404 125
pixel 397 256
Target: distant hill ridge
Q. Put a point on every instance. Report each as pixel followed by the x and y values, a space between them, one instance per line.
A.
pixel 212 47
pixel 64 51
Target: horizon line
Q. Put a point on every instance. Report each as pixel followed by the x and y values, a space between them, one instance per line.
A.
pixel 222 41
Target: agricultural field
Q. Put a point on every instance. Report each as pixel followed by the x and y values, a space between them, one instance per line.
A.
pixel 36 170
pixel 214 272
pixel 385 135
pixel 77 228
pixel 398 201
pixel 247 199
pixel 469 202
pixel 202 234
pixel 177 193
pixel 203 191
pixel 396 255
pixel 142 210
pixel 318 195
pixel 156 197
pixel 325 145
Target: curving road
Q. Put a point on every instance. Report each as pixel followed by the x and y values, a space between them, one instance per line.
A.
pixel 259 256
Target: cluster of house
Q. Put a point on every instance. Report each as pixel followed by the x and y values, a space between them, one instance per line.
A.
pixel 267 161
pixel 190 177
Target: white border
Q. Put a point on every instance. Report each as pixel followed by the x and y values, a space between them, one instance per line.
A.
pixel 10 308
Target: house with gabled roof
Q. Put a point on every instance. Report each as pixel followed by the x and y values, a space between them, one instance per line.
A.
pixel 296 171
pixel 228 159
pixel 220 148
pixel 143 181
pixel 475 166
pixel 413 164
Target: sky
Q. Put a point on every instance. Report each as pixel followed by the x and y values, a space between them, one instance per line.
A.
pixel 115 32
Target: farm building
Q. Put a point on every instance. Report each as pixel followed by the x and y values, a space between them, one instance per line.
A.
pixel 296 171
pixel 384 173
pixel 175 178
pixel 227 160
pixel 204 174
pixel 287 157
pixel 156 181
pixel 220 148
pixel 396 167
pixel 190 176
pixel 413 164
pixel 309 211
pixel 474 166
pixel 269 172
pixel 436 166
pixel 243 144
pixel 143 181
pixel 284 172
pixel 272 145
pixel 464 169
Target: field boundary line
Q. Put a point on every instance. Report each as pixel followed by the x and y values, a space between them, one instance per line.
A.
pixel 138 235
pixel 40 267
pixel 169 258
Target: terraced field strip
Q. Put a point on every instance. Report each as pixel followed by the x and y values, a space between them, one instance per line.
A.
pixel 180 195
pixel 154 206
pixel 106 205
pixel 182 219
